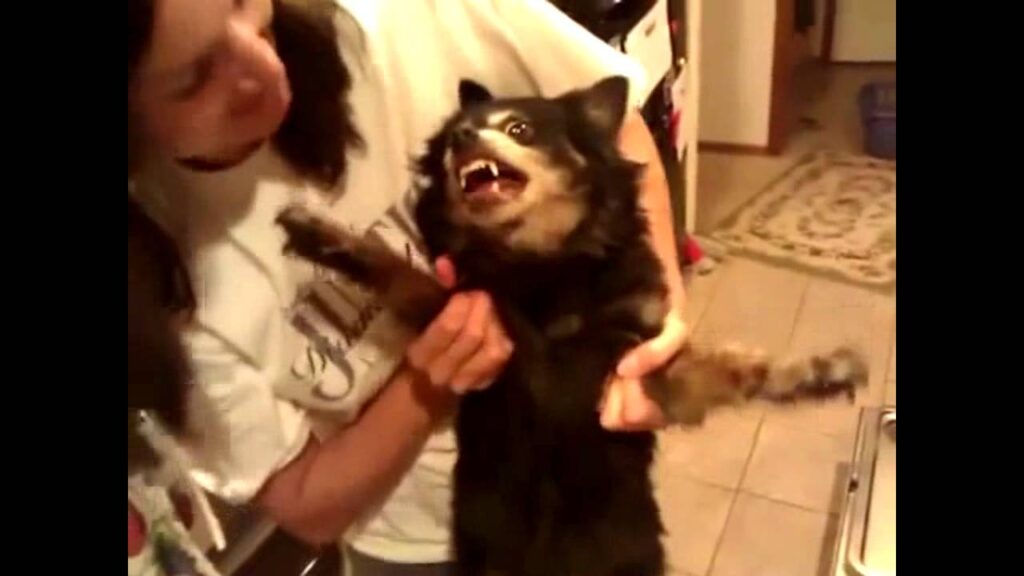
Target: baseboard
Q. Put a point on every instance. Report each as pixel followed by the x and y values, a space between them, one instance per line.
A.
pixel 729 148
pixel 861 63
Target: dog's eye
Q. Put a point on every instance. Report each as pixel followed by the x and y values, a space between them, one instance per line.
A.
pixel 520 131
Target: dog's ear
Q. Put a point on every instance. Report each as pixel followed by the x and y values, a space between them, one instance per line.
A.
pixel 472 93
pixel 604 104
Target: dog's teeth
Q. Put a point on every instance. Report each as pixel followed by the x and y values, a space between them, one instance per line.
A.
pixel 474 165
pixel 489 165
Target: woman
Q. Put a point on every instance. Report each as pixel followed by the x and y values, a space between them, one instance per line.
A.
pixel 311 401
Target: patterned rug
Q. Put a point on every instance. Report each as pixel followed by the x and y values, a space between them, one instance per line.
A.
pixel 831 213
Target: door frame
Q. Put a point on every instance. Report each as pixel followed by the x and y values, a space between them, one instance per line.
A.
pixel 828 30
pixel 780 109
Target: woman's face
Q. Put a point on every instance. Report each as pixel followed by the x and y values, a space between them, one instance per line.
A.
pixel 211 86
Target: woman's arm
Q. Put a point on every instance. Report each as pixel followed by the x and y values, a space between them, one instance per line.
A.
pixel 321 493
pixel 318 495
pixel 626 405
pixel 637 144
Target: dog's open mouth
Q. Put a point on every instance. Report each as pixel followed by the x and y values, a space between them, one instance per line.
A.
pixel 489 181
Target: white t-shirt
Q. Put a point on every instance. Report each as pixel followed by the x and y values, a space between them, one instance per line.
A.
pixel 282 350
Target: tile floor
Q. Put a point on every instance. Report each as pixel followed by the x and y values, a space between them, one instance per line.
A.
pixel 754 491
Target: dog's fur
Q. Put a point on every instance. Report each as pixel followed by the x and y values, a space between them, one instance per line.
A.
pixel 550 225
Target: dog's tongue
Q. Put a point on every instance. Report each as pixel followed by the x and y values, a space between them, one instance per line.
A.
pixel 490 185
pixel 487 192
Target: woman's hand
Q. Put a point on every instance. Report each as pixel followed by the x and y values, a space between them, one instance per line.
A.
pixel 465 347
pixel 626 405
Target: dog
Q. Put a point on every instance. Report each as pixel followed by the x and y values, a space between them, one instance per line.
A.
pixel 534 203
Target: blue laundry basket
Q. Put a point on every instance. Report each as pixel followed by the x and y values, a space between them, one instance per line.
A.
pixel 878 118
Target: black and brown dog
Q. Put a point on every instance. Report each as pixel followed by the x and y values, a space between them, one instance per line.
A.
pixel 533 202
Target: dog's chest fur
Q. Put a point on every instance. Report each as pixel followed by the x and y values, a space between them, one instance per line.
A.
pixel 538 480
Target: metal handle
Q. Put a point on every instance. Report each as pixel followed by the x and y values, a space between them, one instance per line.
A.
pixel 310 567
pixel 854 528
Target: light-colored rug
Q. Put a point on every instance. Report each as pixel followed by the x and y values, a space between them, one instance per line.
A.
pixel 832 213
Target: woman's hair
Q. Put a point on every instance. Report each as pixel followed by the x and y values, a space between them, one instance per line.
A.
pixel 158 372
pixel 318 129
pixel 140 32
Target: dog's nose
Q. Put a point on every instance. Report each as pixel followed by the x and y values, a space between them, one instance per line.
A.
pixel 463 138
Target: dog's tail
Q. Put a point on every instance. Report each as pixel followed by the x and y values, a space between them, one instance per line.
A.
pixel 698 379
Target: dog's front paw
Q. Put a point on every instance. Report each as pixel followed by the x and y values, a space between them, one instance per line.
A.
pixel 309 234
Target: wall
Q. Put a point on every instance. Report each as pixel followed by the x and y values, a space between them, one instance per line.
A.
pixel 737 41
pixel 865 31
